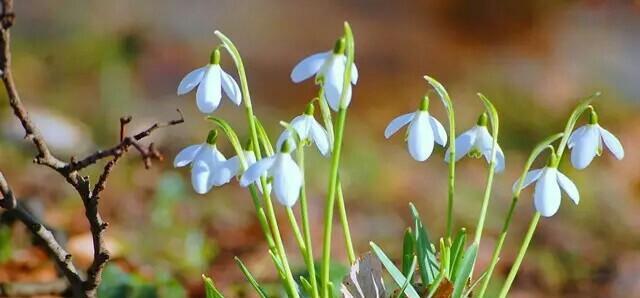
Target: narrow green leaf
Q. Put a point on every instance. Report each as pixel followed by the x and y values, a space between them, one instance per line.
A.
pixel 276 261
pixel 394 271
pixel 306 285
pixel 408 252
pixel 423 249
pixel 251 279
pixel 464 270
pixel 409 276
pixel 444 259
pixel 264 137
pixel 457 250
pixel 210 288
pixel 442 92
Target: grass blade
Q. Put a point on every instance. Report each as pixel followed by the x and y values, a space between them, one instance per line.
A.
pixel 394 271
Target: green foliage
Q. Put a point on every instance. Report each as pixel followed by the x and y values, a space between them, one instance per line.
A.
pixel 5 243
pixel 119 284
pixel 210 289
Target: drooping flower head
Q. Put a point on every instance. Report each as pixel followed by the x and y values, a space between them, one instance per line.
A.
pixel 308 129
pixel 549 181
pixel 477 142
pixel 587 141
pixel 208 165
pixel 211 81
pixel 422 132
pixel 328 68
pixel 287 176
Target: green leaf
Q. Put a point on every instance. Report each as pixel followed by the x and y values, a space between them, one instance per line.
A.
pixel 442 92
pixel 250 278
pixel 464 270
pixel 264 137
pixel 408 252
pixel 210 288
pixel 424 250
pixel 394 272
pixel 306 285
pixel 457 249
pixel 409 275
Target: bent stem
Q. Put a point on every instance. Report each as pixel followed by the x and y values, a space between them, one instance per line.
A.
pixel 306 228
pixel 335 163
pixel 345 225
pixel 448 104
pixel 545 144
pixel 270 212
pixel 518 261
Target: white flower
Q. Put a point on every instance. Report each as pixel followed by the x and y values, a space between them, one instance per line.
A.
pixel 422 132
pixel 208 167
pixel 586 141
pixel 211 80
pixel 329 66
pixel 547 194
pixel 308 129
pixel 477 142
pixel 287 176
pixel 235 168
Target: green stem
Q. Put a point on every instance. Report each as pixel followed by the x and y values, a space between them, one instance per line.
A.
pixel 335 164
pixel 345 225
pixel 331 196
pixel 496 252
pixel 270 213
pixel 485 202
pixel 306 228
pixel 520 256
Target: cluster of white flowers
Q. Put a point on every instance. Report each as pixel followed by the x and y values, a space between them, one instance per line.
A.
pixel 210 168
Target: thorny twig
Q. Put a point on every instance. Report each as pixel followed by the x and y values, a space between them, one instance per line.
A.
pixel 79 286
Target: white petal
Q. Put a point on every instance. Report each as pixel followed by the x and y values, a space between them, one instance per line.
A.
pixel 547 193
pixel 569 187
pixel 200 177
pixel 585 147
pixel 302 125
pixel 186 155
pixel 420 137
pixel 440 135
pixel 500 163
pixel 287 180
pixel 464 143
pixel 231 88
pixel 191 80
pixel 531 177
pixel 308 67
pixel 285 135
pixel 332 95
pixel 397 123
pixel 575 134
pixel 484 140
pixel 209 91
pixel 233 165
pixel 612 143
pixel 320 138
pixel 256 170
pixel 354 74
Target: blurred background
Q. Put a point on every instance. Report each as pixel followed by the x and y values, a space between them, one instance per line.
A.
pixel 80 65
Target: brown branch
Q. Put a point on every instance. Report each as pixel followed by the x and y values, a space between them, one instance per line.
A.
pixel 70 172
pixel 43 235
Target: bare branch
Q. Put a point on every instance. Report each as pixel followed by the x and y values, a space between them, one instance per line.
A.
pixel 70 172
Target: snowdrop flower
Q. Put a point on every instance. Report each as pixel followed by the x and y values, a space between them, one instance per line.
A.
pixel 423 130
pixel 328 67
pixel 308 129
pixel 546 195
pixel 211 80
pixel 586 142
pixel 287 176
pixel 477 142
pixel 208 167
pixel 235 168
